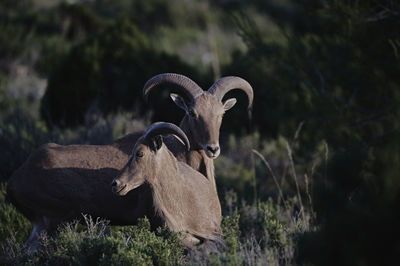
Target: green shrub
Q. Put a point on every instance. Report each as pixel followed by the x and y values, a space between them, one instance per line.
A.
pixel 99 244
pixel 19 136
pixel 12 223
pixel 254 234
pixel 108 69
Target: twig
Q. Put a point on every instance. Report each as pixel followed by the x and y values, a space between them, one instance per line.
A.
pixel 296 135
pixel 308 192
pixel 275 180
pixel 295 179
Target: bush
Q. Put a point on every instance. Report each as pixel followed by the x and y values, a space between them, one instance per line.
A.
pixel 12 223
pixel 107 70
pixel 19 136
pixel 253 234
pixel 99 244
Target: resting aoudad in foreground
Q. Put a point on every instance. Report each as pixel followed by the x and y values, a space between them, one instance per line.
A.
pixel 182 197
pixel 59 183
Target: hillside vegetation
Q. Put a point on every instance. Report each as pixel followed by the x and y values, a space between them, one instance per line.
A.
pixel 310 177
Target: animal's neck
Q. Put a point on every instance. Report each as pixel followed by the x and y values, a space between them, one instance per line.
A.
pixel 209 168
pixel 197 157
pixel 167 195
pixel 184 125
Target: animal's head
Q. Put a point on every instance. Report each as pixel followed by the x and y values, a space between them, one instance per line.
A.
pixel 205 109
pixel 148 153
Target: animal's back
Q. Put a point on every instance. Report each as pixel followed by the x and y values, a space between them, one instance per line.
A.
pixel 64 181
pixel 202 203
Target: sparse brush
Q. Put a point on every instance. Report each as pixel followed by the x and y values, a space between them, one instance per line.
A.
pixel 96 243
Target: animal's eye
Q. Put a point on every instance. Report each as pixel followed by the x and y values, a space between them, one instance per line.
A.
pixel 139 154
pixel 192 113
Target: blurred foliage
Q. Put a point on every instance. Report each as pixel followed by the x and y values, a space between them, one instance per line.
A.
pixel 147 15
pixel 14 15
pixel 329 73
pixel 13 224
pixel 337 72
pixel 360 195
pixel 19 136
pixel 109 69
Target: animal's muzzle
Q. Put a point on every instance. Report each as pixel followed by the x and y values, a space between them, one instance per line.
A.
pixel 117 186
pixel 212 150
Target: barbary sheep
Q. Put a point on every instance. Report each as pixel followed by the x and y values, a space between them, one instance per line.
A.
pixel 203 117
pixel 182 197
pixel 60 183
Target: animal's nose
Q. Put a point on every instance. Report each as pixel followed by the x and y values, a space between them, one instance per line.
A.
pixel 115 183
pixel 117 186
pixel 213 148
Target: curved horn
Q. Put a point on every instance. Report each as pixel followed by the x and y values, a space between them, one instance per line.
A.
pixel 185 84
pixel 164 128
pixel 225 84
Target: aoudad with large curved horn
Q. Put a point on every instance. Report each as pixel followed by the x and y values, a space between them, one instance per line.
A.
pixel 183 83
pixel 163 128
pixel 226 84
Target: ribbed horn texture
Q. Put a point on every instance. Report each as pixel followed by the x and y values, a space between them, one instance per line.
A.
pixel 226 84
pixel 183 83
pixel 164 128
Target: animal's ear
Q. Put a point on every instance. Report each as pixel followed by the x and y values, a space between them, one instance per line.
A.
pixel 228 104
pixel 157 142
pixel 178 100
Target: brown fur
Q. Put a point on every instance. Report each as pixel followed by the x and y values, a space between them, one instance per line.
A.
pixel 203 117
pixel 182 197
pixel 202 130
pixel 58 183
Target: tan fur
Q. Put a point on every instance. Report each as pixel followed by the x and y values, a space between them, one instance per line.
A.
pixel 203 117
pixel 200 130
pixel 185 199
